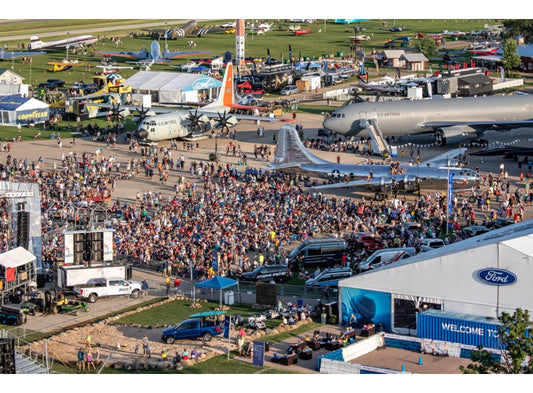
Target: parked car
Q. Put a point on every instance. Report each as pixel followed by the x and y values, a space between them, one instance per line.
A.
pixel 385 256
pixel 431 244
pixel 57 82
pixel 47 85
pixel 288 90
pixel 202 325
pixel 329 277
pixel 500 223
pixel 368 241
pixel 322 253
pixel 278 273
pixel 475 230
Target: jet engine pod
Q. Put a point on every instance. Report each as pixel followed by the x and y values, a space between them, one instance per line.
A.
pixel 454 135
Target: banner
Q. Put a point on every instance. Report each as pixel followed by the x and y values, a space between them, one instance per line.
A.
pixel 258 353
pixel 450 192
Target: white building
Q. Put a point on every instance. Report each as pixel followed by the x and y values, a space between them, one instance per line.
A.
pixel 481 276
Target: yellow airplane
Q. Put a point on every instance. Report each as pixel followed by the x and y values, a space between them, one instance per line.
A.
pixel 62 65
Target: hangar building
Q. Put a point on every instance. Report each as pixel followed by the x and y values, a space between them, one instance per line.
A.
pixel 478 277
pixel 172 87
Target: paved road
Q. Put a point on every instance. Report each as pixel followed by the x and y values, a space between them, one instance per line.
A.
pixel 90 30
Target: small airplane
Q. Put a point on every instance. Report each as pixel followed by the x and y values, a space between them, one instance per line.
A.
pixel 155 55
pixel 262 28
pixel 450 120
pixel 229 25
pixel 300 32
pixel 81 41
pixel 110 68
pixel 359 38
pixel 436 37
pixel 486 51
pixel 294 28
pixel 6 55
pixel 454 33
pixel 188 29
pixel 58 66
pixel 292 157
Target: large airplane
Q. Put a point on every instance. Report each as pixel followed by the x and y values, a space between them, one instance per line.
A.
pixel 188 29
pixel 450 120
pixel 155 55
pixel 81 41
pixel 292 157
pixel 165 124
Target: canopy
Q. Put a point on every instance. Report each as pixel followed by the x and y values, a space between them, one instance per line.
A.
pixel 216 282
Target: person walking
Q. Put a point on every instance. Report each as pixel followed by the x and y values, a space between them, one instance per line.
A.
pixel 81 360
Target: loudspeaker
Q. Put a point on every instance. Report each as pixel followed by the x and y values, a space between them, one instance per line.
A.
pixel 7 356
pixel 23 229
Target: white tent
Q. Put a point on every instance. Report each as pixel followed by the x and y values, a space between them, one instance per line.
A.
pixel 171 87
pixel 449 277
pixel 16 257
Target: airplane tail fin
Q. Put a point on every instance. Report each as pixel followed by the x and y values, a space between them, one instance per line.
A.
pixel 226 97
pixel 291 150
pixel 35 42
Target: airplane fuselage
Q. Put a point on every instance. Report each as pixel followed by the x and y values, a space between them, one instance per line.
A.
pixel 163 127
pixel 396 118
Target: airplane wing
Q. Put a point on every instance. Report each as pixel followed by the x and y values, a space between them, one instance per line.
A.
pixel 12 55
pixel 372 184
pixel 445 159
pixel 179 54
pixel 127 55
pixel 481 125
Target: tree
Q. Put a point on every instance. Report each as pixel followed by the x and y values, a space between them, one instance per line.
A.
pixel 427 46
pixel 510 58
pixel 515 27
pixel 517 348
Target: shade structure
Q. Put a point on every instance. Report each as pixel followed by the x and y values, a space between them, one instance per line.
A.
pixel 216 282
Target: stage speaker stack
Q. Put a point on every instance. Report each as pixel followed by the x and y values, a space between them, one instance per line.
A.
pixel 23 229
pixel 7 356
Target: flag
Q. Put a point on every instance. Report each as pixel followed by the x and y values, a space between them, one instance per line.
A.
pixel 10 274
pixel 450 192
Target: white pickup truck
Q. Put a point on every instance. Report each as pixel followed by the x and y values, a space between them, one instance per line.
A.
pixel 103 287
pixel 431 244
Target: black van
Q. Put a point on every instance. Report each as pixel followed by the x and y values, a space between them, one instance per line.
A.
pixel 277 273
pixel 318 252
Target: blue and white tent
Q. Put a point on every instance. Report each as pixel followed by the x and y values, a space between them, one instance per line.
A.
pixel 16 109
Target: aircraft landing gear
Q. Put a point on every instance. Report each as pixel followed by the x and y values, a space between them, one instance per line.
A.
pixel 379 197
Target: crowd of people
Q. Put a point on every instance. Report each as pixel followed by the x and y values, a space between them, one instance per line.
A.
pixel 225 218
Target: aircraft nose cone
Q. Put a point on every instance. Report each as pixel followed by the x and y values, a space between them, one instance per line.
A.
pixel 142 133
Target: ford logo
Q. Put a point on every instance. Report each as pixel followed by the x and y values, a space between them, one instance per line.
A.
pixel 496 276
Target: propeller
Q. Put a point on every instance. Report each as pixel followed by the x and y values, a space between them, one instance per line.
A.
pixel 116 114
pixel 223 121
pixel 142 114
pixel 195 121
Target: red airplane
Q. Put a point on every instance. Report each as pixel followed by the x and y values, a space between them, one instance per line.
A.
pixel 485 52
pixel 302 32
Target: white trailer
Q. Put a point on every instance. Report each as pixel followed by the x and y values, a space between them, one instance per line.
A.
pixel 69 276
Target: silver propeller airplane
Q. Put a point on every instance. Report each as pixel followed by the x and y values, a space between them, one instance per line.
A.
pixel 451 120
pixel 292 157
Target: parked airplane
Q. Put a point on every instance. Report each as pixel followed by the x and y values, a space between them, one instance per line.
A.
pixel 155 55
pixel 262 27
pixel 450 120
pixel 81 41
pixel 6 55
pixel 300 32
pixel 188 29
pixel 292 157
pixel 166 124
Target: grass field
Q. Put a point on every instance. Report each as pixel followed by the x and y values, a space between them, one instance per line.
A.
pixel 326 39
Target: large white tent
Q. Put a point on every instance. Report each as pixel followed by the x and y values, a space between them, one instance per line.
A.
pixel 172 87
pixel 448 279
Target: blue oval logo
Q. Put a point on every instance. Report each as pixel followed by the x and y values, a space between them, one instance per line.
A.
pixel 495 276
